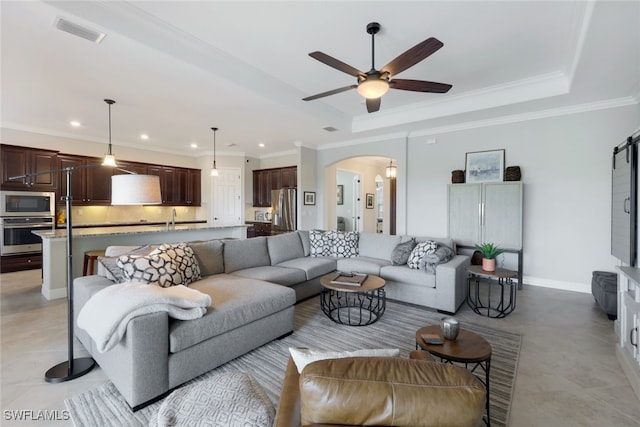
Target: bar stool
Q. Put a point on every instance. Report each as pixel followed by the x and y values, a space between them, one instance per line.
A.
pixel 90 259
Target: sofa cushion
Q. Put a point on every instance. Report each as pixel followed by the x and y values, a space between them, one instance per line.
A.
pixel 389 391
pixel 421 249
pixel 321 243
pixel 345 244
pixel 304 238
pixel 400 254
pixel 209 254
pixel 284 247
pixel 374 245
pixel 404 274
pixel 280 275
pixel 312 266
pixel 236 301
pixel 362 264
pixel 245 253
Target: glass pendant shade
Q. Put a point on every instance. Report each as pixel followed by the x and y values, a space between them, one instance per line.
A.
pixel 214 170
pixel 391 171
pixel 373 88
pixel 109 159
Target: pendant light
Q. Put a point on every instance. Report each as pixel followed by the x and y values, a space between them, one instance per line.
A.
pixel 391 171
pixel 109 159
pixel 214 171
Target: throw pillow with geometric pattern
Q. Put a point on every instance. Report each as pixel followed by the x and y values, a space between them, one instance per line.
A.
pixel 419 252
pixel 321 243
pixel 154 268
pixel 345 244
pixel 184 260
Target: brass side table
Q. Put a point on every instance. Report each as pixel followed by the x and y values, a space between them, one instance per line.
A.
pixel 503 278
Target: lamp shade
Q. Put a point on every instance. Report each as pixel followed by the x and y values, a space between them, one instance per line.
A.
pixel 135 190
pixel 373 88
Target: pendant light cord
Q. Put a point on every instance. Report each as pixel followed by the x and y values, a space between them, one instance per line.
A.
pixel 110 102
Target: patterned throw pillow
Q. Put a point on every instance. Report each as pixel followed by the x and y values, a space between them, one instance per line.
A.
pixel 402 251
pixel 184 260
pixel 110 263
pixel 225 399
pixel 345 244
pixel 167 265
pixel 321 243
pixel 154 268
pixel 420 251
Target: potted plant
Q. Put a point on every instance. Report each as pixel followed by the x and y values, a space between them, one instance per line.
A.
pixel 489 253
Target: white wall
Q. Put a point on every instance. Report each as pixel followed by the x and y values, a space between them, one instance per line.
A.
pixel 565 163
pixel 307 214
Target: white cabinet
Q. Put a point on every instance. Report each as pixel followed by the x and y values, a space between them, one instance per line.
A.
pixel 628 350
pixel 490 212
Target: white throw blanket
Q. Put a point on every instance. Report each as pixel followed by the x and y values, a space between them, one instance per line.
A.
pixel 106 315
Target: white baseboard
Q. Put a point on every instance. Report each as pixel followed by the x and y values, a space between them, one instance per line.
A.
pixel 55 294
pixel 557 284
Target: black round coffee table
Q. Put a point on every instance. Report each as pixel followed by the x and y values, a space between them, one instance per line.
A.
pixel 353 305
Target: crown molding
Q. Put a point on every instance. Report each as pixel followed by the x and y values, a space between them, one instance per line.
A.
pixel 534 115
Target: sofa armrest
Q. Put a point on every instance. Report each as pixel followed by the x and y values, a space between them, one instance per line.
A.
pixel 288 411
pixel 451 283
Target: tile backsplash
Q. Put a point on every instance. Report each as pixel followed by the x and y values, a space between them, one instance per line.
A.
pixel 85 215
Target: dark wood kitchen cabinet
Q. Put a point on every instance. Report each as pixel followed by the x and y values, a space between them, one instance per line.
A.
pixel 90 183
pixel 18 161
pixel 179 186
pixel 265 180
pixel 259 229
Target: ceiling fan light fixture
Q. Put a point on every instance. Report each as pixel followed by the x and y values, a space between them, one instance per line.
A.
pixel 373 88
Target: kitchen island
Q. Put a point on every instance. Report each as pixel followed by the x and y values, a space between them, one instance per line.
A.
pixel 54 246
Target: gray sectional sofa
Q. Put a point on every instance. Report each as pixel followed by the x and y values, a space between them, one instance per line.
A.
pixel 254 285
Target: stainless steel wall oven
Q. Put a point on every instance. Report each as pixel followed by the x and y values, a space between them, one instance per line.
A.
pixel 22 212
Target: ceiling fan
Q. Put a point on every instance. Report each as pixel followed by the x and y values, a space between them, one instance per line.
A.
pixel 375 83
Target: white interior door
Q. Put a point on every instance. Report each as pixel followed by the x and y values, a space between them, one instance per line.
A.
pixel 226 197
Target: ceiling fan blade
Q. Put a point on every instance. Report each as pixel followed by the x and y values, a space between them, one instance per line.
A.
pixel 412 56
pixel 420 86
pixel 330 92
pixel 335 63
pixel 373 105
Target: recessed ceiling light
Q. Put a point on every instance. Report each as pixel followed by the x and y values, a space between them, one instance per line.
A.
pixel 75 123
pixel 144 136
pixel 194 145
pixel 261 144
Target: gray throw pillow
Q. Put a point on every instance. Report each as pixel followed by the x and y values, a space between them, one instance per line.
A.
pixel 430 261
pixel 400 254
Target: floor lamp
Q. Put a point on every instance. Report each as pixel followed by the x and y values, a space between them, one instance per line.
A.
pixel 129 189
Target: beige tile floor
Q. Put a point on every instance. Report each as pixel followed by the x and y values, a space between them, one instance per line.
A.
pixel 568 374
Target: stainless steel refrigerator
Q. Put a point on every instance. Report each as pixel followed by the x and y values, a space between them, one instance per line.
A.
pixel 283 210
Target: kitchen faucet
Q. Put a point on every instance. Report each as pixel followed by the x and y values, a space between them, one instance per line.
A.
pixel 173 216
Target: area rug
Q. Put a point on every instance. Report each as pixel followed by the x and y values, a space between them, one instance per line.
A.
pixel 104 406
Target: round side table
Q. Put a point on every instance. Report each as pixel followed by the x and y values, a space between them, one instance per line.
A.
pixel 468 348
pixel 503 278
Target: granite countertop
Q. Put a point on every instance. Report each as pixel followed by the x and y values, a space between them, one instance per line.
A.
pixel 128 224
pixel 258 222
pixel 137 229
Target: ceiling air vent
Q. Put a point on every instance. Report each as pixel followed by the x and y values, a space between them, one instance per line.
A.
pixel 330 129
pixel 80 31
